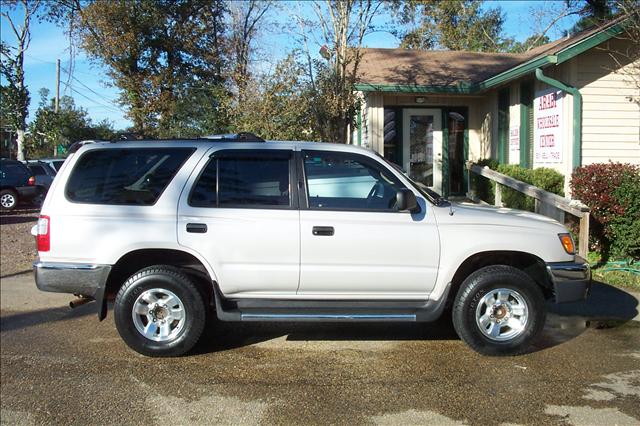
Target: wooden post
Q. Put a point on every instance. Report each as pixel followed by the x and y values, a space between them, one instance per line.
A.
pixel 498 197
pixel 583 243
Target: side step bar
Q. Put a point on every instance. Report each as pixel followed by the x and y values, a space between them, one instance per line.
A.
pixel 392 311
pixel 326 317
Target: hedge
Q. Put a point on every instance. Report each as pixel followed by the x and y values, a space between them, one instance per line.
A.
pixel 612 192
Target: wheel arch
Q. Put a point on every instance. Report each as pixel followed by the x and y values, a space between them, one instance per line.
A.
pixel 530 264
pixel 135 260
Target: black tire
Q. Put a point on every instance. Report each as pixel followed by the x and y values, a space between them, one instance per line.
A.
pixel 8 199
pixel 471 294
pixel 193 307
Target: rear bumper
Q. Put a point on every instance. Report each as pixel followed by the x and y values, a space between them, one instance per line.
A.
pixel 571 280
pixel 83 279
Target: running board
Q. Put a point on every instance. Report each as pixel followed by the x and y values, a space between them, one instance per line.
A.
pixel 326 317
pixel 283 310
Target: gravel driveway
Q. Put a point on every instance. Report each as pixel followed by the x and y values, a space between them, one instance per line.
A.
pixel 17 245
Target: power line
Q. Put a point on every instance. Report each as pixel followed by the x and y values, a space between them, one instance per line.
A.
pixel 109 107
pixel 112 101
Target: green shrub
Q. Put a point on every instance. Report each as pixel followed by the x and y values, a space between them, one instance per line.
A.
pixel 612 192
pixel 483 187
pixel 625 228
pixel 544 178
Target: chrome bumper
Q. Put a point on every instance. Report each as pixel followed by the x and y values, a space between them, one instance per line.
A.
pixel 83 279
pixel 571 280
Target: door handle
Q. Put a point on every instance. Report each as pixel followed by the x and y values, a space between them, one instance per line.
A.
pixel 323 230
pixel 197 228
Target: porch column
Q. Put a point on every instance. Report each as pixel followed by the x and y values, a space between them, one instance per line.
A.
pixel 375 121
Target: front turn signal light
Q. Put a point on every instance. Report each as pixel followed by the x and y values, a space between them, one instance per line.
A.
pixel 567 243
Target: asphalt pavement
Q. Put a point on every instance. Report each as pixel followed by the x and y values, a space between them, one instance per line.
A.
pixel 62 366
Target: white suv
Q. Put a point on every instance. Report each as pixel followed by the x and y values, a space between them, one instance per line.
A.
pixel 178 230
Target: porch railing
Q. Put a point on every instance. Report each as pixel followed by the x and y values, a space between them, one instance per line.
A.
pixel 542 199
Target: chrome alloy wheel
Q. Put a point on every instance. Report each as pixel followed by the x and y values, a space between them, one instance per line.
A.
pixel 7 201
pixel 158 315
pixel 502 314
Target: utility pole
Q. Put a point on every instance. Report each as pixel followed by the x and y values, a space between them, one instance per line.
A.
pixel 57 104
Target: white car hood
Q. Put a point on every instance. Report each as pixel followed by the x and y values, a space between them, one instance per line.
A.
pixel 471 214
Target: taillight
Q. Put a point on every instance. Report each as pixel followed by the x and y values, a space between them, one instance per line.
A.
pixel 44 233
pixel 31 181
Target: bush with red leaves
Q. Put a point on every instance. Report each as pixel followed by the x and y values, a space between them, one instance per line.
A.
pixel 602 187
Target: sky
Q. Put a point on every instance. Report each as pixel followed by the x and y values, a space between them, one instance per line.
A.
pixel 90 88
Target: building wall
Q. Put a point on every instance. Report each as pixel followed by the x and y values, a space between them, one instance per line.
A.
pixel 611 120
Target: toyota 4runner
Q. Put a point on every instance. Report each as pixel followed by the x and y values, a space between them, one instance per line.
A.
pixel 178 231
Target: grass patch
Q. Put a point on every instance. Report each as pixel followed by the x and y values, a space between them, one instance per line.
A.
pixel 620 274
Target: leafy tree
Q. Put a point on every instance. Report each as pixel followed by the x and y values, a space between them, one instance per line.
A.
pixel 592 12
pixel 343 25
pixel 15 95
pixel 278 106
pixel 159 53
pixel 71 124
pixel 246 18
pixel 531 42
pixel 449 24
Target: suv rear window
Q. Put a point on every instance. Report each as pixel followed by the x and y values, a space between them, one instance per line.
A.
pixel 135 176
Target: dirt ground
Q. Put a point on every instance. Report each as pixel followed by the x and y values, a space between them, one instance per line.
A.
pixel 16 243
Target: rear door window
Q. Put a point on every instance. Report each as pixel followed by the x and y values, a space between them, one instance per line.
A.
pixel 249 179
pixel 134 176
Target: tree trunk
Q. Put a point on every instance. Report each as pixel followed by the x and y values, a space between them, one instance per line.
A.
pixel 20 143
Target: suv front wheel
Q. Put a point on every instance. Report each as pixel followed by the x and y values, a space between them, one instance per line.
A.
pixel 160 312
pixel 499 310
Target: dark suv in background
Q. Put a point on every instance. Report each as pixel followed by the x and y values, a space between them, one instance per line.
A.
pixel 44 173
pixel 17 184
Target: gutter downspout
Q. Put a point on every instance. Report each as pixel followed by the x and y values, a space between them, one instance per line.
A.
pixel 577 114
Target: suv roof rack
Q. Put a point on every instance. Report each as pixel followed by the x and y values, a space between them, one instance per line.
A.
pixel 76 146
pixel 235 137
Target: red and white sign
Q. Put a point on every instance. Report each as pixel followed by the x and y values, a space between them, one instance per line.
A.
pixel 547 127
pixel 514 144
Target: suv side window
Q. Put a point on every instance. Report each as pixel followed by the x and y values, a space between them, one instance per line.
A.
pixel 132 176
pixel 345 181
pixel 249 179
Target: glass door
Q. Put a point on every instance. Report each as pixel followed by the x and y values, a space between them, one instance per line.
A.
pixel 422 143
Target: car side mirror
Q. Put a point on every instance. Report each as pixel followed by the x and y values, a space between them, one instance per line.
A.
pixel 406 201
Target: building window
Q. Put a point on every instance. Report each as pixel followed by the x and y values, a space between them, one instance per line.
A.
pixel 526 124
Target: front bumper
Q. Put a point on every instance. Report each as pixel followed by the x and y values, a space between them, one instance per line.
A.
pixel 76 278
pixel 571 280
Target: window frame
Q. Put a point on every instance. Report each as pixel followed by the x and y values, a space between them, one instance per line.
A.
pixel 189 150
pixel 249 153
pixel 304 191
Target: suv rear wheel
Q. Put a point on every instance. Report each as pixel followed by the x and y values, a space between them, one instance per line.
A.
pixel 160 312
pixel 499 310
pixel 8 199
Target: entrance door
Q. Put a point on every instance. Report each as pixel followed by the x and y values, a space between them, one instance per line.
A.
pixel 422 143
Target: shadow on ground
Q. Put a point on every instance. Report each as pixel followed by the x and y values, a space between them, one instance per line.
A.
pixel 19 215
pixel 607 307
